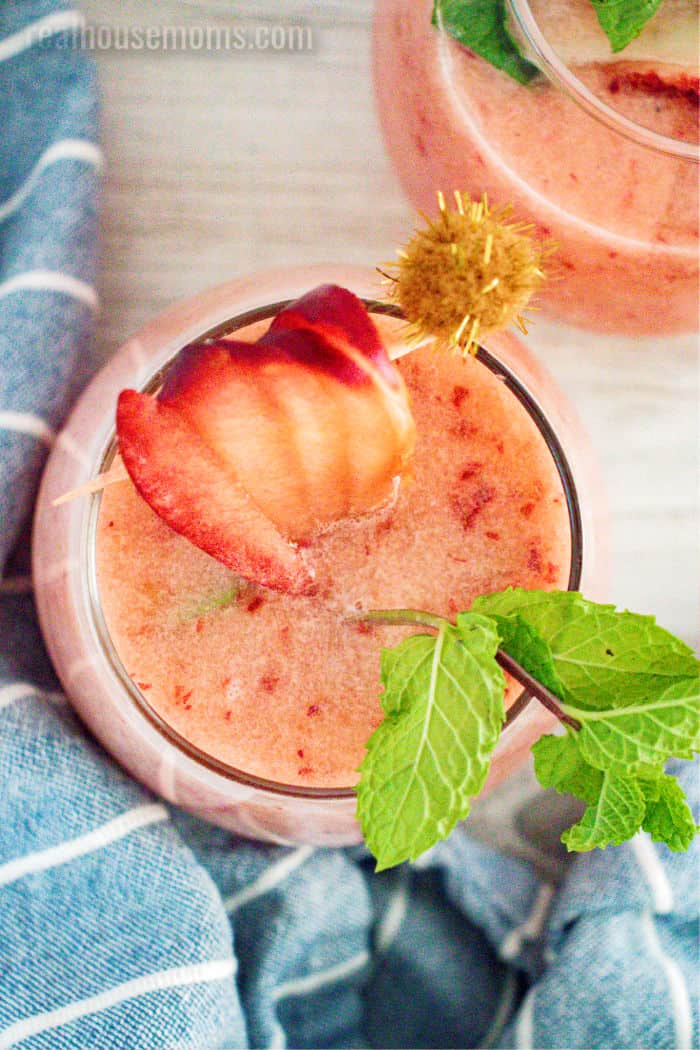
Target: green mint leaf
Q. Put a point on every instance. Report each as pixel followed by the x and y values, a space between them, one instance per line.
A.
pixel 618 805
pixel 668 818
pixel 594 645
pixel 623 20
pixel 614 817
pixel 547 612
pixel 560 765
pixel 635 690
pixel 633 686
pixel 482 26
pixel 648 732
pixel 443 700
pixel 526 645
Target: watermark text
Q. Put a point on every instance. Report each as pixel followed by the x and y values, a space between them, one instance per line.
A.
pixel 191 37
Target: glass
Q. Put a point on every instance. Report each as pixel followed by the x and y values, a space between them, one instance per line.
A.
pixel 68 598
pixel 608 174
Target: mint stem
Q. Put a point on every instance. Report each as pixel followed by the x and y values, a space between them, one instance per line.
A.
pixel 415 617
pixel 547 699
pixel 406 617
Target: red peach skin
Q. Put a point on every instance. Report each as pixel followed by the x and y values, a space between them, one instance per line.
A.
pixel 313 419
pixel 186 484
pixel 249 446
pixel 337 316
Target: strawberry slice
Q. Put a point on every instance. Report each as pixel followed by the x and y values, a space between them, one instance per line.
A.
pixel 313 419
pixel 250 445
pixel 223 393
pixel 338 316
pixel 187 486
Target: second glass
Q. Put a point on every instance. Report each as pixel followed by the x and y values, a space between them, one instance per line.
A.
pixel 606 171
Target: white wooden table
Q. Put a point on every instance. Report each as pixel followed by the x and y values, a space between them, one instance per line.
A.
pixel 221 163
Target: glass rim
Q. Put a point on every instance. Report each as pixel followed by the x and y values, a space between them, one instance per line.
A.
pixel 99 624
pixel 547 60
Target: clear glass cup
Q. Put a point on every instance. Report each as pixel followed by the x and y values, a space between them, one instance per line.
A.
pixel 607 174
pixel 68 598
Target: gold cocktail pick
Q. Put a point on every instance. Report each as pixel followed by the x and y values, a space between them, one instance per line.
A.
pixel 466 273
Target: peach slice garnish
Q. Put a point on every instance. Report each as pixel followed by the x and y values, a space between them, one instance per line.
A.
pixel 249 447
pixel 185 484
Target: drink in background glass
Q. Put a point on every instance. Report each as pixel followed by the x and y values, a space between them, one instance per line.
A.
pixel 599 154
pixel 251 707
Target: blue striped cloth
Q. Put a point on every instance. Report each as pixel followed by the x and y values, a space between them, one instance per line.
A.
pixel 125 923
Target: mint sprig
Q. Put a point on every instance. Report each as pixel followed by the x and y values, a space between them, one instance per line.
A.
pixel 627 691
pixel 483 27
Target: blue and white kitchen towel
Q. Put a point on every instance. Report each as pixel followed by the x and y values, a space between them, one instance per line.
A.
pixel 125 923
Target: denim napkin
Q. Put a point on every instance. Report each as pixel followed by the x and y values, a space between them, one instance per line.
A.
pixel 125 923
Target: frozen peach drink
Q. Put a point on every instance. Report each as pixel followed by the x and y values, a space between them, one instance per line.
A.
pixel 248 696
pixel 283 686
pixel 624 215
